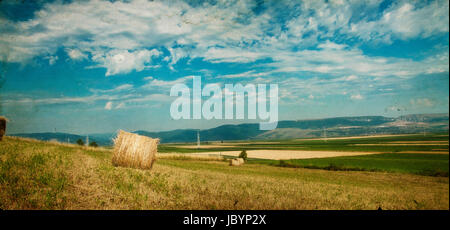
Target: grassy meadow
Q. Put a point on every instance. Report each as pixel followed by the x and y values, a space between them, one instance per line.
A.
pixel 416 163
pixel 396 143
pixel 45 175
pixel 415 153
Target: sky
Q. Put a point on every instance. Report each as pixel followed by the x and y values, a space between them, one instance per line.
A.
pixel 98 66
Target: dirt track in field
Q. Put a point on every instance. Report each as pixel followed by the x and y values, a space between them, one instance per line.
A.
pixel 287 154
pixel 204 146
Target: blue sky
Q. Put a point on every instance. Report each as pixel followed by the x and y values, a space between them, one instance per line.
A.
pixel 98 66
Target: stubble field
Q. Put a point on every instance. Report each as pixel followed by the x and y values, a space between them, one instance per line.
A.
pixel 42 175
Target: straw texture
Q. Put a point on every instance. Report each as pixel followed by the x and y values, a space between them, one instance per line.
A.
pixel 134 151
pixel 3 121
pixel 236 162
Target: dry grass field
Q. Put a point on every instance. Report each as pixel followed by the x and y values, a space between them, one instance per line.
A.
pixel 43 175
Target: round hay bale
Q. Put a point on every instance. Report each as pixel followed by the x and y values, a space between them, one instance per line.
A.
pixel 236 162
pixel 134 151
pixel 3 121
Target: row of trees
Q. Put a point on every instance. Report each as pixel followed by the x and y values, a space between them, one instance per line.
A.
pixel 92 144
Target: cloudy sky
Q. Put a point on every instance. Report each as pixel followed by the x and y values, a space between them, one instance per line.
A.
pixel 98 66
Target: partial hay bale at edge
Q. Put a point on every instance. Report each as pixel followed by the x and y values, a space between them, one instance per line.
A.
pixel 236 162
pixel 3 121
pixel 134 151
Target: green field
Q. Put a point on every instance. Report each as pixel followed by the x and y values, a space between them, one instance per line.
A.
pixel 434 161
pixel 422 164
pixel 330 144
pixel 45 175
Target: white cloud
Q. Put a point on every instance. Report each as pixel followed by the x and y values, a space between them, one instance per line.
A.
pixel 422 102
pixel 351 78
pixel 118 97
pixel 356 97
pixel 217 55
pixel 247 74
pixel 175 55
pixel 120 105
pixel 156 83
pixel 405 20
pixel 118 35
pixel 119 88
pixel 50 101
pixel 354 61
pixel 108 105
pixel 331 46
pixel 52 59
pixel 75 54
pixel 125 26
pixel 121 62
pixel 297 88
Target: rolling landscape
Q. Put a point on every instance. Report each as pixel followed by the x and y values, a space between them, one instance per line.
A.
pixel 391 175
pixel 334 127
pixel 228 105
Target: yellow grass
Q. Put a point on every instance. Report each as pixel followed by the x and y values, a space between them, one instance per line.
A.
pixel 41 175
pixel 135 151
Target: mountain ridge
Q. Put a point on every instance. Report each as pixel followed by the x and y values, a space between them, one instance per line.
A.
pixel 287 129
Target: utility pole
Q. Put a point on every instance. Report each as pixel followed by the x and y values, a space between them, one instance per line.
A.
pixel 87 140
pixel 198 139
pixel 325 134
pixel 423 121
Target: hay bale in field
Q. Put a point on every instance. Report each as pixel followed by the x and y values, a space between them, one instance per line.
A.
pixel 236 162
pixel 3 121
pixel 135 151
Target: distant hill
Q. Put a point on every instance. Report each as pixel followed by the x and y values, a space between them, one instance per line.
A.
pixel 433 118
pixel 331 127
pixel 64 137
pixel 224 132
